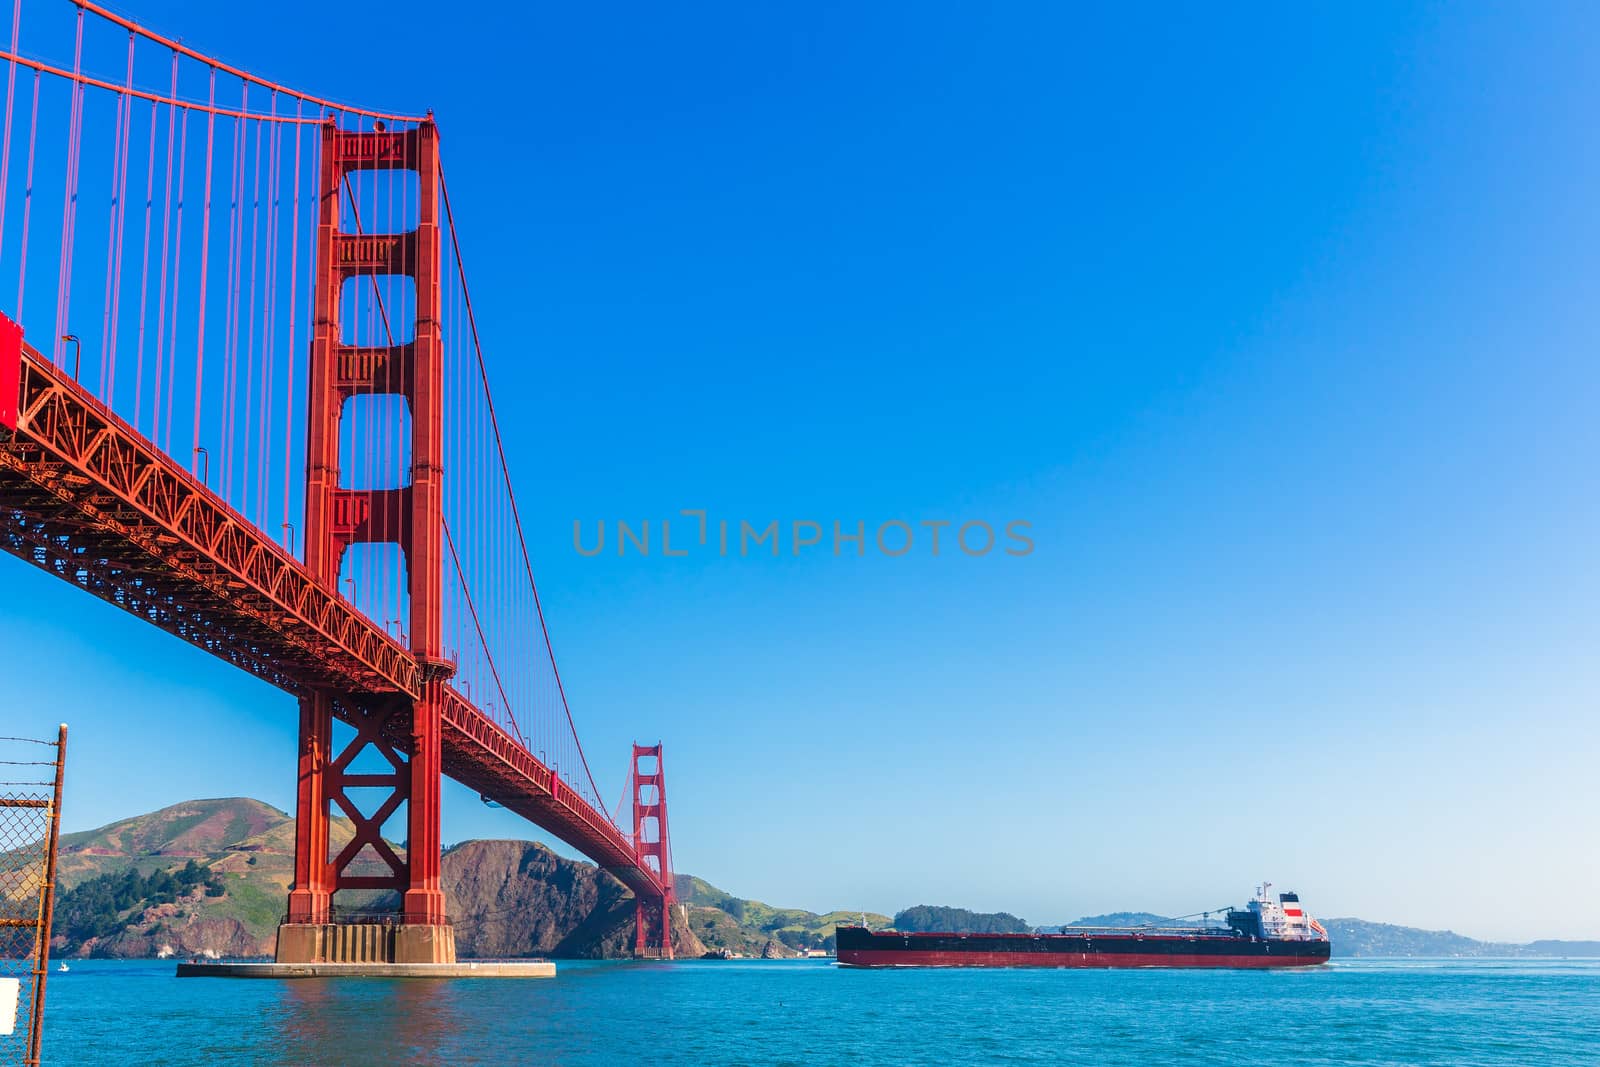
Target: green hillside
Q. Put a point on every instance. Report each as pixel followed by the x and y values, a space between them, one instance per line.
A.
pixel 204 875
pixel 751 927
pixel 929 918
pixel 241 845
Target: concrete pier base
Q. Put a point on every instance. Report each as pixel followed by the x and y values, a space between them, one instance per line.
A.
pixel 366 943
pixel 470 969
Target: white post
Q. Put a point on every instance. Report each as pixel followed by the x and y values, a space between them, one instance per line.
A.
pixel 10 989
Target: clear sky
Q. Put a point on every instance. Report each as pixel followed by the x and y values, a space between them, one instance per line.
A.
pixel 1278 326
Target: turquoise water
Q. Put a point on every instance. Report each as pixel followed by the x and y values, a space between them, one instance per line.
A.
pixel 1361 1012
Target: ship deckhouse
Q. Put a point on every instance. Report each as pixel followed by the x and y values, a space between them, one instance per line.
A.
pixel 1283 918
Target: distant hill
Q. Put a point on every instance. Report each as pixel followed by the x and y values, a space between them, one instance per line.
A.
pixel 751 928
pixel 1357 937
pixel 192 829
pixel 1122 918
pixel 244 846
pixel 1564 949
pixel 927 918
pixel 1119 918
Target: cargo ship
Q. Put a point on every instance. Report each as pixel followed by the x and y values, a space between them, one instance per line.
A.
pixel 1270 931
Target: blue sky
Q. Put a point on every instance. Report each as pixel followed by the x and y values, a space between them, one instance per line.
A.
pixel 1278 327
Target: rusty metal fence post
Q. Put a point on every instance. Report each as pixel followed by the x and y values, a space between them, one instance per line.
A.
pixel 30 834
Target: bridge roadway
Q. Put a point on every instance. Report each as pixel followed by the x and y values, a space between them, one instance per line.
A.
pixel 84 497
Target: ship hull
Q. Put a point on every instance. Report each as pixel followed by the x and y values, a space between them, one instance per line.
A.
pixel 863 948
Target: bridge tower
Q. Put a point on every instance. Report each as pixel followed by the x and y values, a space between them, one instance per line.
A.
pixel 402 728
pixel 650 845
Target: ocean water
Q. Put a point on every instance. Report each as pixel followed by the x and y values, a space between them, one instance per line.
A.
pixel 1407 1012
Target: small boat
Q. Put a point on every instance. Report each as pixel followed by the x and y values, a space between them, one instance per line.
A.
pixel 63 968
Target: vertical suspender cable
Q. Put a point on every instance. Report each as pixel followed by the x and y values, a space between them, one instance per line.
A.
pixel 122 218
pixel 144 268
pixel 177 277
pixel 243 415
pixel 166 236
pixel 11 90
pixel 27 198
pixel 69 199
pixel 263 446
pixel 119 212
pixel 230 297
pixel 205 263
pixel 288 375
pixel 315 224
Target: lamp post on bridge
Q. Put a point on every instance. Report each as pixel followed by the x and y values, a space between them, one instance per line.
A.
pixel 77 353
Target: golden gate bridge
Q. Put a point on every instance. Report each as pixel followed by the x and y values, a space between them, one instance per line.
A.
pixel 244 397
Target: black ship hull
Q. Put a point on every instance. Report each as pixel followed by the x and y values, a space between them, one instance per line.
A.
pixel 858 947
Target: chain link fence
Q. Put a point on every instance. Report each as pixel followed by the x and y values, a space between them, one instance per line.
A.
pixel 30 809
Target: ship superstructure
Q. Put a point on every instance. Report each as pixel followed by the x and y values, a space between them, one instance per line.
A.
pixel 1281 919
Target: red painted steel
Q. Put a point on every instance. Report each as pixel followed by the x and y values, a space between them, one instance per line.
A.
pixel 84 497
pixel 10 371
pixel 312 891
pixel 410 516
pixel 650 846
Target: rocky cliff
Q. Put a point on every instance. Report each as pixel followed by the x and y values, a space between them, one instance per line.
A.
pixel 517 898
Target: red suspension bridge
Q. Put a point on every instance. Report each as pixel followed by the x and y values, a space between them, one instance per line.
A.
pixel 244 397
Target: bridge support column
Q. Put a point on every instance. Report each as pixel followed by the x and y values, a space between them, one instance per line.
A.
pixel 312 892
pixel 652 924
pixel 424 900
